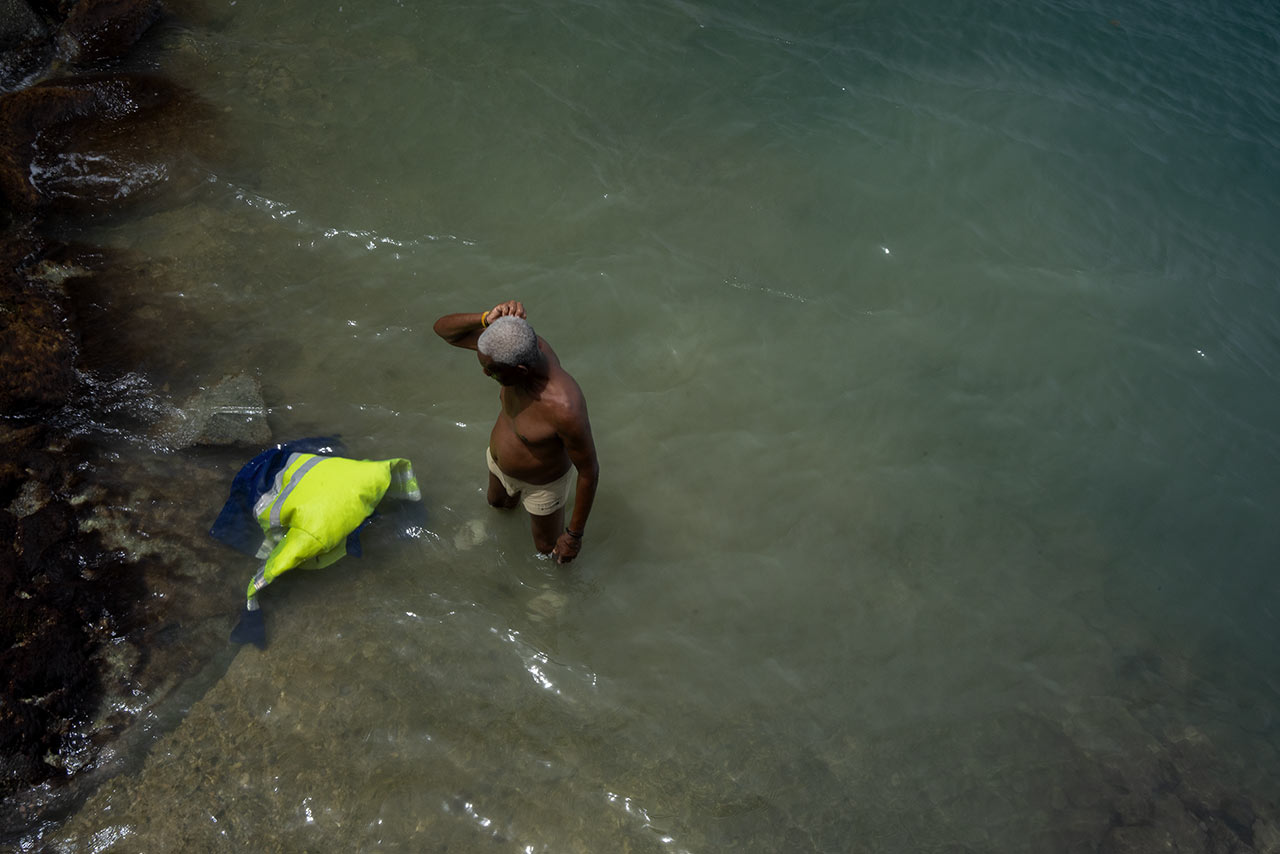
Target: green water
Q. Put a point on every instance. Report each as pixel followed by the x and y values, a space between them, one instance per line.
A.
pixel 931 358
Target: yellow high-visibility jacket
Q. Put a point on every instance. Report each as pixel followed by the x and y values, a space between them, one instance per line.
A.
pixel 315 503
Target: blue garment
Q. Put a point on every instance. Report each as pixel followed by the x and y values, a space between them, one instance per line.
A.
pixel 242 528
pixel 236 525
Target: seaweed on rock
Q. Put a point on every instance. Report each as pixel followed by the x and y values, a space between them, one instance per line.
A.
pixel 92 545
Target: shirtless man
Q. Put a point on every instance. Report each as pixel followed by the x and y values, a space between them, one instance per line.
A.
pixel 542 433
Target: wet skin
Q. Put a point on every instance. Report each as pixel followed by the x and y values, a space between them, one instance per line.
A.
pixel 541 431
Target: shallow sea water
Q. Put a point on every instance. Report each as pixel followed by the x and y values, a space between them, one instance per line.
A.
pixel 931 353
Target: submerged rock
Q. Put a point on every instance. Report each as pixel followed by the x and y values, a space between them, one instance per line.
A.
pixel 84 32
pixel 37 351
pixel 18 24
pixel 90 143
pixel 131 330
pixel 109 598
pixel 24 47
pixel 100 30
pixel 97 616
pixel 36 354
pixel 23 115
pixel 229 412
pixel 62 597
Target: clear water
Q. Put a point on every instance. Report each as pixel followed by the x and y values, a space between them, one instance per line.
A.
pixel 933 355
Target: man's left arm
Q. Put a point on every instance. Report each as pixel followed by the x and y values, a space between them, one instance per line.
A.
pixel 581 447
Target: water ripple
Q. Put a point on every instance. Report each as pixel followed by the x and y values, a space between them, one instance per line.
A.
pixel 542 669
pixel 640 815
pixel 367 238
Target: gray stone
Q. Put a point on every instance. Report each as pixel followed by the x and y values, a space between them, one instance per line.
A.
pixel 230 412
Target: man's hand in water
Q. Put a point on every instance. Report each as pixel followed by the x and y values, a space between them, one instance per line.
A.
pixel 510 308
pixel 567 547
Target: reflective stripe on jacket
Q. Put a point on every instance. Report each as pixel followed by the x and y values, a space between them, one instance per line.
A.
pixel 315 502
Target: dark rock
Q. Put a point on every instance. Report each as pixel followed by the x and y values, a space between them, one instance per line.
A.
pixel 42 529
pixel 48 613
pixel 113 290
pixel 52 10
pixel 18 24
pixel 67 604
pixel 90 575
pixel 101 30
pixel 37 352
pixel 13 468
pixel 24 44
pixel 1239 816
pixel 94 142
pixel 1171 828
pixel 9 575
pixel 23 117
pixel 1132 808
pixel 10 481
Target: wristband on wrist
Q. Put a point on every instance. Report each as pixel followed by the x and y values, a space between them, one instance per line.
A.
pixel 577 535
pixel 484 319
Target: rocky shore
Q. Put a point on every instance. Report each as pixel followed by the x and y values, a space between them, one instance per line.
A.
pixel 101 553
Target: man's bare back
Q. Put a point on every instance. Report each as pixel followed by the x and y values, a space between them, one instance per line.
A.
pixel 542 430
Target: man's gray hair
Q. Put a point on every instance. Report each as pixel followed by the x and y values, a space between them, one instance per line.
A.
pixel 510 341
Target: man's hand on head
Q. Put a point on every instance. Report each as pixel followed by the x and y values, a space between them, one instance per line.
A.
pixel 510 308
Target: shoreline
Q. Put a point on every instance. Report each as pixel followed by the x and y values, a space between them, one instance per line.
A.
pixel 106 557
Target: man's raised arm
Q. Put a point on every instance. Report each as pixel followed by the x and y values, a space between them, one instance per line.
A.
pixel 463 330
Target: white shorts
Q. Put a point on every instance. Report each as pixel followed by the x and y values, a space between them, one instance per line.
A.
pixel 540 499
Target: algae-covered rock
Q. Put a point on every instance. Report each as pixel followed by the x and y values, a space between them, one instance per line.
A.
pixel 94 142
pixel 108 592
pixel 37 353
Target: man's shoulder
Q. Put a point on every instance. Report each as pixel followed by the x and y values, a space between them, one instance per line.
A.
pixel 565 398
